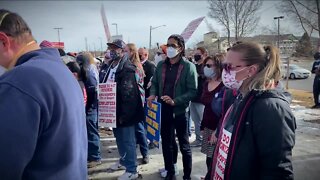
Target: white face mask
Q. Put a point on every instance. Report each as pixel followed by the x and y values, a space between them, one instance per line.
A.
pixel 229 79
pixel 172 52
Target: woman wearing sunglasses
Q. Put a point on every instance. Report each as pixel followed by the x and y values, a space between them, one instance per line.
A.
pixel 212 71
pixel 257 132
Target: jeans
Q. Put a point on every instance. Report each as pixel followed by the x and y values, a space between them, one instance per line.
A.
pixel 169 124
pixel 189 122
pixel 141 138
pixel 196 112
pixel 126 143
pixel 93 135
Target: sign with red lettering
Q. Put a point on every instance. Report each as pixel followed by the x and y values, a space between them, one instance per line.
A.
pixel 222 155
pixel 107 104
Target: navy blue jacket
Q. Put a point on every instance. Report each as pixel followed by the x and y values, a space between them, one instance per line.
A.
pixel 42 120
pixel 315 66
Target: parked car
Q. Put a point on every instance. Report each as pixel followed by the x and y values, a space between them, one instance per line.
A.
pixel 295 72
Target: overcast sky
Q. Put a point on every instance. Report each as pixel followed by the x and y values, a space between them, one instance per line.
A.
pixel 80 19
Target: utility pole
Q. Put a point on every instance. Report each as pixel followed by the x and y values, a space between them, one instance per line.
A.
pixel 86 43
pixel 58 29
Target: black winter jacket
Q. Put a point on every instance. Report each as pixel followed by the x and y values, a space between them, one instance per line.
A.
pixel 129 105
pixel 149 69
pixel 263 136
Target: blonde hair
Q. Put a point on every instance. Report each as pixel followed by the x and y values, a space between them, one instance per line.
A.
pixel 268 61
pixel 135 57
pixel 89 56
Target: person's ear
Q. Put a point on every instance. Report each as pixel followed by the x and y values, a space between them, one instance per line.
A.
pixel 5 41
pixel 252 70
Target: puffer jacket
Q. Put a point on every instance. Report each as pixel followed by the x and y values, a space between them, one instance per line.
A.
pixel 263 136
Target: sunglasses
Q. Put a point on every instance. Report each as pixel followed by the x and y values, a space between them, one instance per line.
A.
pixel 172 45
pixel 208 65
pixel 228 67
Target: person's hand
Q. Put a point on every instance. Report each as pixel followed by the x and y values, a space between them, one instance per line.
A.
pixel 150 99
pixel 168 100
pixel 213 138
pixel 149 85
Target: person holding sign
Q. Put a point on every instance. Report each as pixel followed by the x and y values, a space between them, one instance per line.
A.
pixel 257 133
pixel 129 107
pixel 175 85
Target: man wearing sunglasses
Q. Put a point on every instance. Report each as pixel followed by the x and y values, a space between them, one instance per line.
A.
pixel 196 107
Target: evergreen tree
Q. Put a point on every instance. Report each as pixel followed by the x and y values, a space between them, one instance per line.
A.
pixel 304 47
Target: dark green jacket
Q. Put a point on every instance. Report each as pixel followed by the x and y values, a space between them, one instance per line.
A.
pixel 185 87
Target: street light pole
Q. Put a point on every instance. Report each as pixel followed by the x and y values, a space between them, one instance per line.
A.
pixel 278 18
pixel 116 27
pixel 152 28
pixel 58 29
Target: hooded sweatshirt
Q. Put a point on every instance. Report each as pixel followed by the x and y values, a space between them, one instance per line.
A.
pixel 42 120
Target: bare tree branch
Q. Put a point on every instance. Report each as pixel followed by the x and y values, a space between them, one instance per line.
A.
pixel 298 15
pixel 310 23
pixel 311 10
pixel 237 16
pixel 303 13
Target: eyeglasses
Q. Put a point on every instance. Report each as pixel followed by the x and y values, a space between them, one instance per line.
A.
pixel 208 65
pixel 228 67
pixel 172 45
pixel 159 53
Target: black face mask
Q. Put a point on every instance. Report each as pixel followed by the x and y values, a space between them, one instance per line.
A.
pixel 197 57
pixel 140 57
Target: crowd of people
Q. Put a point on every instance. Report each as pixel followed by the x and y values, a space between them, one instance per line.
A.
pixel 49 108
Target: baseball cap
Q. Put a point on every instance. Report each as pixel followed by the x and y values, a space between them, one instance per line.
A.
pixel 118 43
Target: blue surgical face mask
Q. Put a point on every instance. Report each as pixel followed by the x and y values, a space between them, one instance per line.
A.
pixel 209 72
